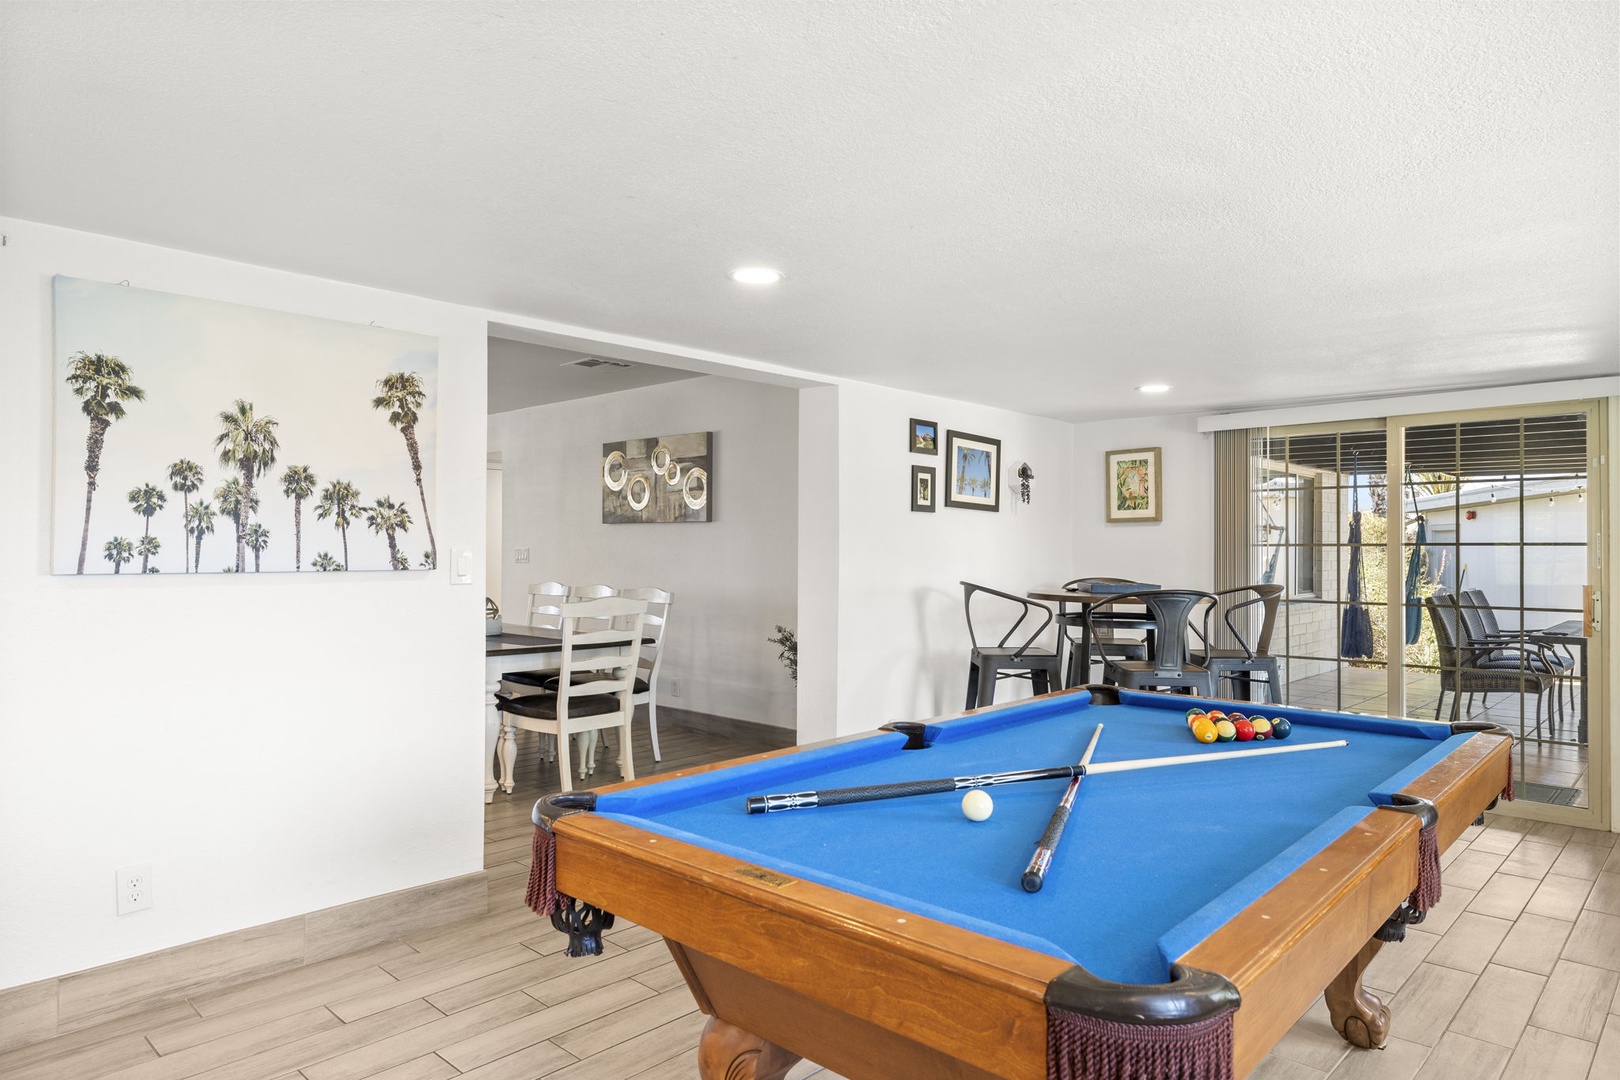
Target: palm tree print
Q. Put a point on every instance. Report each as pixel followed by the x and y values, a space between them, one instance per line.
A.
pixel 199 523
pixel 146 500
pixel 248 443
pixel 185 477
pixel 402 395
pixel 340 501
pixel 324 561
pixel 118 551
pixel 298 484
pixel 103 383
pixel 387 518
pixel 258 538
pixel 149 546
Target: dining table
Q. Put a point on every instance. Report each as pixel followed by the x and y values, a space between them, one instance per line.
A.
pixel 523 649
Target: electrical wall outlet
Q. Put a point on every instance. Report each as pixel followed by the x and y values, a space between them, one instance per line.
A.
pixel 520 555
pixel 134 888
pixel 674 688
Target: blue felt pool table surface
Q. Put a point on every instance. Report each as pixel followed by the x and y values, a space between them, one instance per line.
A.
pixel 1152 860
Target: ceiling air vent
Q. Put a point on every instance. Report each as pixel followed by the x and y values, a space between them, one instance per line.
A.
pixel 595 362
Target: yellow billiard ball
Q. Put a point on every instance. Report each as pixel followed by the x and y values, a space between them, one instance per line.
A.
pixel 1203 730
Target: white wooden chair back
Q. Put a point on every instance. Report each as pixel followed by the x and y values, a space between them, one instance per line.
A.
pixel 545 604
pixel 591 592
pixel 659 602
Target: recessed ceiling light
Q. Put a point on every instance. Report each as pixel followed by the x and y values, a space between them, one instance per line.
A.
pixel 756 275
pixel 1154 388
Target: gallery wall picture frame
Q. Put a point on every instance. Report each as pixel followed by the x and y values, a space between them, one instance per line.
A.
pixel 922 489
pixel 923 437
pixel 1132 481
pixel 972 471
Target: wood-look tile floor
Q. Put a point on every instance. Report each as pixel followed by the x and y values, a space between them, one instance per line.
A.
pixel 1515 975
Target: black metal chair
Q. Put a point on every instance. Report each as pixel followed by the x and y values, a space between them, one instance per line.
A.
pixel 1110 644
pixel 990 664
pixel 1242 664
pixel 1170 666
pixel 1468 668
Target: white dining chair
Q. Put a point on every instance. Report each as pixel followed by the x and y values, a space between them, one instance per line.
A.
pixel 652 655
pixel 545 604
pixel 595 686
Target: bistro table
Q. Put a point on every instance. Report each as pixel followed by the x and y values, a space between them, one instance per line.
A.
pixel 528 649
pixel 1572 635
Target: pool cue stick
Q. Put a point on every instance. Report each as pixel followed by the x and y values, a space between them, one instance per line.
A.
pixel 1035 873
pixel 805 800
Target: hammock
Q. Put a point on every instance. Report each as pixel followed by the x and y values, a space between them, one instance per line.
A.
pixel 1355 629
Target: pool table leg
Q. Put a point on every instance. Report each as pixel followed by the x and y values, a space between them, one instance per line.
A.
pixel 1357 1014
pixel 727 1052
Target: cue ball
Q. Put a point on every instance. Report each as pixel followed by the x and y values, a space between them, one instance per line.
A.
pixel 976 805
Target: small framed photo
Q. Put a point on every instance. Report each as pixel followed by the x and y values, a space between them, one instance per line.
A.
pixel 924 437
pixel 1132 483
pixel 922 489
pixel 972 471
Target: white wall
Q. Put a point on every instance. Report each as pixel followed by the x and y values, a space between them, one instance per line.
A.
pixel 734 577
pixel 1176 553
pixel 901 639
pixel 271 744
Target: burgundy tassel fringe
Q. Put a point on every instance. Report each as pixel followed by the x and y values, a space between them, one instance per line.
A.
pixel 1427 893
pixel 542 896
pixel 1080 1047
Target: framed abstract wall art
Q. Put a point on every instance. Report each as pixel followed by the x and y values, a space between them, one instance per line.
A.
pixel 1132 484
pixel 199 437
pixel 972 471
pixel 658 479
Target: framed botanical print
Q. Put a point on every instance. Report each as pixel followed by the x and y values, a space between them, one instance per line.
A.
pixel 922 489
pixel 1132 484
pixel 972 471
pixel 924 437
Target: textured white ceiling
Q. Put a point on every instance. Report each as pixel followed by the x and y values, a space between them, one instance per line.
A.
pixel 1035 205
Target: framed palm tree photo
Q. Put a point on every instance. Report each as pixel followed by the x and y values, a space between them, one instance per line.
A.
pixel 247 440
pixel 972 471
pixel 1132 483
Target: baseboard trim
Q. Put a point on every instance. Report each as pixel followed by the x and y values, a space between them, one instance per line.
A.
pixel 43 1010
pixel 723 725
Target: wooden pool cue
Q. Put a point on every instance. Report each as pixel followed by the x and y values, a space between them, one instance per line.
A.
pixel 1035 873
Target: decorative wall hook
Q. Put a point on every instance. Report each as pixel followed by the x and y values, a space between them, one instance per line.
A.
pixel 1025 474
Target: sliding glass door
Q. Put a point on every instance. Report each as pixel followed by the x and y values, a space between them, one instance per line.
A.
pixel 1444 567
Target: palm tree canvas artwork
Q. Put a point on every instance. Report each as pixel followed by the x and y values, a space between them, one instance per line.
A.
pixel 195 436
pixel 972 471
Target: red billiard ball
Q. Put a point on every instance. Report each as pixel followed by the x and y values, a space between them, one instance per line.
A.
pixel 1245 730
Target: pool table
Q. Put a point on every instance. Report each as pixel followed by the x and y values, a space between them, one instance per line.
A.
pixel 1193 911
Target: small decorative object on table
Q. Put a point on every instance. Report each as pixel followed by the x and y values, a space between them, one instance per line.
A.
pixel 492 617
